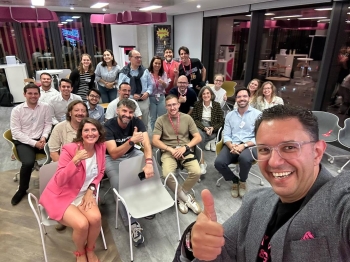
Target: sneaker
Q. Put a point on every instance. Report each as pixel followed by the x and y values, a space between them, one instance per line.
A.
pixel 192 204
pixel 234 190
pixel 213 146
pixel 18 197
pixel 242 189
pixel 136 234
pixel 150 217
pixel 203 168
pixel 60 227
pixel 182 206
pixel 207 146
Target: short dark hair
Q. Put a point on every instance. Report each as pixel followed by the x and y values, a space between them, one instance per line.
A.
pixel 171 96
pixel 128 103
pixel 65 80
pixel 70 108
pixel 94 90
pixel 239 89
pixel 280 112
pixel 200 94
pixel 161 70
pixel 184 48
pixel 45 73
pixel 30 85
pixel 168 48
pixel 96 123
pixel 124 83
pixel 114 63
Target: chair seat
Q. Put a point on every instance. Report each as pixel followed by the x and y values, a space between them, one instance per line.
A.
pixel 39 156
pixel 45 218
pixel 138 200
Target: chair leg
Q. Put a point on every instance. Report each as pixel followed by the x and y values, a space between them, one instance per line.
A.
pixel 331 158
pixel 261 182
pixel 103 201
pixel 218 181
pixel 103 238
pixel 131 253
pixel 116 212
pixel 341 169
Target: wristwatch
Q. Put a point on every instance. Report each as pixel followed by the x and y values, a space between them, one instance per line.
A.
pixel 187 147
pixel 245 145
pixel 131 143
pixel 92 187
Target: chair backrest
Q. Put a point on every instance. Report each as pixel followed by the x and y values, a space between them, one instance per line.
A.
pixel 219 146
pixel 129 179
pixel 229 86
pixel 7 135
pixel 47 153
pixel 328 126
pixel 344 134
pixel 46 172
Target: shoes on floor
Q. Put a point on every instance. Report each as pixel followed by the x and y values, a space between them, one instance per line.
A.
pixel 212 146
pixel 150 217
pixel 18 197
pixel 203 168
pixel 193 205
pixel 207 146
pixel 234 190
pixel 242 188
pixel 136 234
pixel 60 227
pixel 182 206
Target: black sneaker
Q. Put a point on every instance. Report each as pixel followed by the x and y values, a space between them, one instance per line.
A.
pixel 136 234
pixel 18 197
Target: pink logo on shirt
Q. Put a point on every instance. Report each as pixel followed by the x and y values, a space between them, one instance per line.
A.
pixel 328 133
pixel 308 235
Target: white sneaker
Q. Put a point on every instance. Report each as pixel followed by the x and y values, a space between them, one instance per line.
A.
pixel 207 146
pixel 212 146
pixel 136 234
pixel 182 206
pixel 192 204
pixel 203 168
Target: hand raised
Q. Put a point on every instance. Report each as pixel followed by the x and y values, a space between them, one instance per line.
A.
pixel 137 136
pixel 207 236
pixel 80 154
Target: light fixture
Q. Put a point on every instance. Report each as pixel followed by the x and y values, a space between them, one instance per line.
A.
pixel 60 24
pixel 64 22
pixel 248 15
pixel 75 17
pixel 151 7
pixel 324 20
pixel 288 19
pixel 287 16
pixel 32 6
pixel 323 9
pixel 269 13
pixel 99 5
pixel 71 8
pixel 348 13
pixel 104 9
pixel 69 20
pixel 198 6
pixel 312 18
pixel 38 2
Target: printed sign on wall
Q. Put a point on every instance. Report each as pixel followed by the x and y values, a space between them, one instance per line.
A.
pixel 162 38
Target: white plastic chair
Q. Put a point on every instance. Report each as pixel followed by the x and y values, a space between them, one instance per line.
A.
pixel 328 128
pixel 45 174
pixel 344 139
pixel 142 198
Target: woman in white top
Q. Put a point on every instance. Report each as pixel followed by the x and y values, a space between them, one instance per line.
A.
pixel 220 93
pixel 107 76
pixel 267 97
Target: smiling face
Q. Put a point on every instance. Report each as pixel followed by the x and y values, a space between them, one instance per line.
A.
pixel 90 134
pixel 85 61
pixel 182 83
pixel 242 99
pixel 206 95
pixel 93 98
pixel 185 57
pixel 218 82
pixel 78 113
pixel 253 86
pixel 124 91
pixel 135 59
pixel 32 96
pixel 65 88
pixel 267 90
pixel 107 56
pixel 298 174
pixel 125 115
pixel 172 106
pixel 45 81
pixel 168 55
pixel 157 63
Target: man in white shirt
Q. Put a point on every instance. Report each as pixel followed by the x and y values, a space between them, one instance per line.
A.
pixel 59 103
pixel 30 127
pixel 46 90
pixel 124 92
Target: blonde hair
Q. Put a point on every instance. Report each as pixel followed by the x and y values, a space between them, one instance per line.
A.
pixel 81 67
pixel 254 96
pixel 260 90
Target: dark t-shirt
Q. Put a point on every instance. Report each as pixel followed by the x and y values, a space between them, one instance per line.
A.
pixel 192 72
pixel 283 212
pixel 120 135
pixel 191 98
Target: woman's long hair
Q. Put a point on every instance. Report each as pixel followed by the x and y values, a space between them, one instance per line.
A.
pixel 81 67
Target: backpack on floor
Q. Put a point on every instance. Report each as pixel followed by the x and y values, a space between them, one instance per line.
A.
pixel 6 98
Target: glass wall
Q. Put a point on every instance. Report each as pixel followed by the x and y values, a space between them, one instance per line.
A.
pixel 99 32
pixel 8 46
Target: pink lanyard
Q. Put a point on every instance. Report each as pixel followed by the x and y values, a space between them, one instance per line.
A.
pixel 176 129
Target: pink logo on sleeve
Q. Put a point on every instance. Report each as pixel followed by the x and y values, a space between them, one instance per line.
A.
pixel 308 235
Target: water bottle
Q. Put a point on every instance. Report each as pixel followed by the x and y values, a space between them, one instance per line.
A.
pixel 207 83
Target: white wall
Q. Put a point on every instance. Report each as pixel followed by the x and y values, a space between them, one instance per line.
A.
pixel 188 32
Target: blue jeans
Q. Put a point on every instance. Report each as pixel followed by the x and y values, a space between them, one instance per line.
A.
pixel 156 108
pixel 107 95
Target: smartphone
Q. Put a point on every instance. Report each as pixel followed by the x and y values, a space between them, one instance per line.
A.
pixel 142 175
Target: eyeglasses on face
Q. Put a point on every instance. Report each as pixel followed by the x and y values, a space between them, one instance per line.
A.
pixel 182 83
pixel 286 150
pixel 217 80
pixel 137 57
pixel 171 105
pixel 93 96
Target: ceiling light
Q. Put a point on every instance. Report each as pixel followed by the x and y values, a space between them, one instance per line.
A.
pixel 348 13
pixel 75 17
pixel 312 18
pixel 323 9
pixel 269 13
pixel 38 2
pixel 104 9
pixel 287 16
pixel 99 5
pixel 60 24
pixel 198 6
pixel 71 8
pixel 32 6
pixel 324 20
pixel 64 22
pixel 288 19
pixel 69 20
pixel 151 7
pixel 248 15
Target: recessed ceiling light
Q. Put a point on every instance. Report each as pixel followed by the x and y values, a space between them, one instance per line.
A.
pixel 312 18
pixel 38 2
pixel 64 22
pixel 287 16
pixel 69 20
pixel 269 13
pixel 248 15
pixel 288 19
pixel 104 9
pixel 323 9
pixel 198 6
pixel 75 17
pixel 151 7
pixel 99 5
pixel 71 8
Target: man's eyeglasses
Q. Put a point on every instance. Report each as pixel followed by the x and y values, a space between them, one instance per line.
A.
pixel 137 57
pixel 182 83
pixel 171 105
pixel 286 150
pixel 93 96
pixel 216 80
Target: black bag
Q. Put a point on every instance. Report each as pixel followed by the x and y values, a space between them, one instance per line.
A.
pixel 6 98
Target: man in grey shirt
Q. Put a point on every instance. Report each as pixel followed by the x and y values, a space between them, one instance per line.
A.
pixel 140 81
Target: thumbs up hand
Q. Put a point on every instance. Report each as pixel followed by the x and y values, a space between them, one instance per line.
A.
pixel 137 137
pixel 207 235
pixel 80 154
